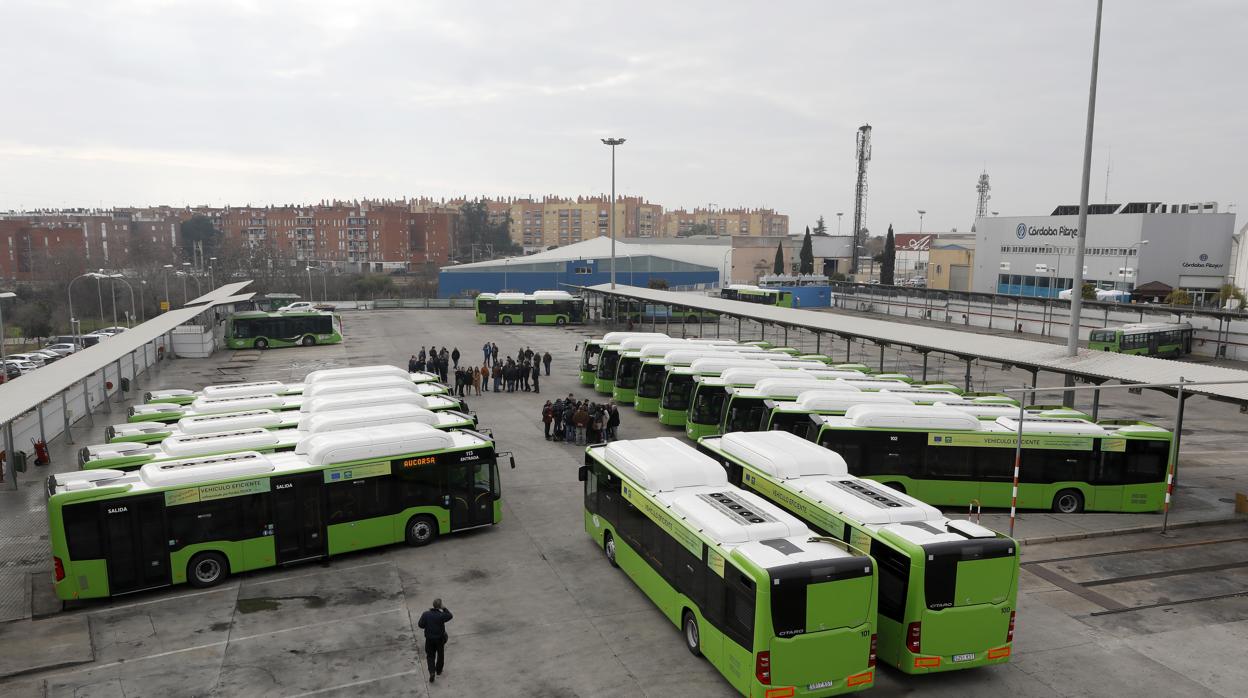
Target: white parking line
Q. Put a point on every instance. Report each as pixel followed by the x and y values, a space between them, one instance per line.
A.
pixel 313 625
pixel 353 684
pixel 311 574
pixel 163 599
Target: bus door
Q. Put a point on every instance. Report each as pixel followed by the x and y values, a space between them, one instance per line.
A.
pixel 138 547
pixel 299 524
pixel 490 310
pixel 1153 343
pixel 472 489
pixel 529 308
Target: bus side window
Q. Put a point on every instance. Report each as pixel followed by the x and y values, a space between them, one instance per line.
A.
pixel 689 578
pixel 896 453
pixel 591 491
pixel 996 464
pixel 950 462
pixel 713 588
pixel 739 607
pixel 894 575
pixel 420 487
pixel 82 531
pixel 609 496
pixel 1147 461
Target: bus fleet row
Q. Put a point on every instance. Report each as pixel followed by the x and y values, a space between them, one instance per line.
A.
pixel 202 484
pixel 931 440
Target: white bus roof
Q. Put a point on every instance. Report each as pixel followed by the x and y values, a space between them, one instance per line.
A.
pixel 186 445
pixel 210 405
pixel 1053 425
pixel 749 375
pixel 324 422
pixel 830 400
pixel 374 443
pixel 910 417
pixel 552 295
pixel 208 423
pixel 794 387
pixel 782 455
pixel 719 364
pixel 663 464
pixel 614 337
pixel 349 401
pixel 352 373
pixel 358 386
pixel 243 389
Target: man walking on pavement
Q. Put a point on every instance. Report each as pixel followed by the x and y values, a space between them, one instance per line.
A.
pixel 546 358
pixel 455 357
pixel 536 376
pixel 434 623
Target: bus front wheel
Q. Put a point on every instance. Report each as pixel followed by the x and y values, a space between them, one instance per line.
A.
pixel 207 570
pixel 262 343
pixel 1068 502
pixel 608 546
pixel 421 530
pixel 561 321
pixel 506 321
pixel 692 639
pixel 308 341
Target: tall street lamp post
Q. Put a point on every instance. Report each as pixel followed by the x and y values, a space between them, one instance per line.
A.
pixel 1125 269
pixel 69 296
pixel 3 366
pixel 1076 297
pixel 165 273
pixel 613 142
pixel 838 223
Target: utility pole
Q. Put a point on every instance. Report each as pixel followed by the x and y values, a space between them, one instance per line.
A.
pixel 1076 293
pixel 613 142
pixel 860 189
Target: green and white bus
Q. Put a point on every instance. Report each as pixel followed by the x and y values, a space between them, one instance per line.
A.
pixel 634 350
pixel 172 412
pixel 537 308
pixel 680 382
pixel 199 520
pixel 948 588
pixel 653 374
pixel 181 396
pixel 592 348
pixel 150 432
pixel 745 408
pixel 259 330
pixel 777 609
pixel 707 401
pixel 798 416
pixel 946 457
pixel 1172 339
pixel 660 313
pixel 755 294
pixel 131 455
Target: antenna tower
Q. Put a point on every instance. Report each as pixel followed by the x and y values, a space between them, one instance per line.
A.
pixel 981 207
pixel 863 153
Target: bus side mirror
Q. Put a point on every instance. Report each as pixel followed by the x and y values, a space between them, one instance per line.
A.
pixel 582 473
pixel 513 461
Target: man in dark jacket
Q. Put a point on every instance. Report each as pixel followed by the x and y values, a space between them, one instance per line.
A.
pixel 535 377
pixel 546 359
pixel 455 357
pixel 434 623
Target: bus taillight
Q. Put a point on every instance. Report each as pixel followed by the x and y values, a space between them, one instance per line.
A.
pixel 871 657
pixel 58 568
pixel 913 636
pixel 762 668
pixel 1009 635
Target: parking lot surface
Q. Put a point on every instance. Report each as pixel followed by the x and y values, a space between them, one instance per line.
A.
pixel 539 612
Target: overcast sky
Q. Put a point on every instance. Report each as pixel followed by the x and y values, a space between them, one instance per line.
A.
pixel 135 102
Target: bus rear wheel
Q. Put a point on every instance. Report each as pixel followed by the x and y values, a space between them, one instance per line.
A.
pixel 506 321
pixel 421 530
pixel 608 547
pixel 693 639
pixel 561 321
pixel 262 343
pixel 207 570
pixel 1068 502
pixel 308 341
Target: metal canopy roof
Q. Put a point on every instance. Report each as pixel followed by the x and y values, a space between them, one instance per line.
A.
pixel 22 395
pixel 1096 366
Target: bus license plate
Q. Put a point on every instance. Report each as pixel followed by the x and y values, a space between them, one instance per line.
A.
pixel 819 685
pixel 964 657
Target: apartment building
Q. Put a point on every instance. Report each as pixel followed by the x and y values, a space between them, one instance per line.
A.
pixel 757 222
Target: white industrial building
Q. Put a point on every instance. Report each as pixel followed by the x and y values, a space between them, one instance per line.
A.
pixel 1187 246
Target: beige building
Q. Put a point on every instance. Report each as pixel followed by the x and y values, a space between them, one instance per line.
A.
pixel 949 267
pixel 752 222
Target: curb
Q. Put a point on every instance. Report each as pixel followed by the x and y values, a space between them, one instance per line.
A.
pixel 1041 540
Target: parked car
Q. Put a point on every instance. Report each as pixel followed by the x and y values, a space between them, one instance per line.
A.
pixel 62 348
pixel 48 356
pixel 37 359
pixel 10 370
pixel 23 367
pixel 298 307
pixel 110 331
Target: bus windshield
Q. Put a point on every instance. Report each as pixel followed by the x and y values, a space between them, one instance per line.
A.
pixel 965 573
pixel 804 596
pixel 745 414
pixel 589 362
pixel 626 373
pixel 607 363
pixel 798 423
pixel 650 380
pixel 676 391
pixel 707 404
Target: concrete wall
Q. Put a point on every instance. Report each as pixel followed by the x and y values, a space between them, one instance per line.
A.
pixel 194 341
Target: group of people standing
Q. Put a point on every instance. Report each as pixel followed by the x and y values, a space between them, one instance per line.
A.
pixel 521 373
pixel 580 421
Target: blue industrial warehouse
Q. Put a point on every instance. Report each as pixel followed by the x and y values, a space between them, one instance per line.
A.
pixel 682 263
